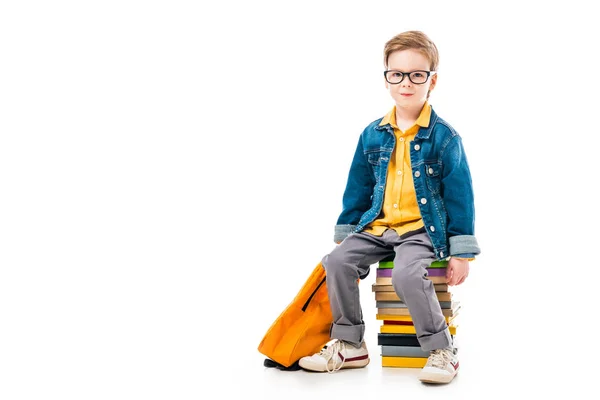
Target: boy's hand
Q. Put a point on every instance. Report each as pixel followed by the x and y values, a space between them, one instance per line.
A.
pixel 457 271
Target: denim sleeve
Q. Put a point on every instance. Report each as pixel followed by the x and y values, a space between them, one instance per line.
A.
pixel 464 255
pixel 357 195
pixel 458 199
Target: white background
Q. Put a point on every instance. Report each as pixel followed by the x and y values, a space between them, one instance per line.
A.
pixel 171 172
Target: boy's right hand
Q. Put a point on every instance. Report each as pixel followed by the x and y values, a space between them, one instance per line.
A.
pixel 457 271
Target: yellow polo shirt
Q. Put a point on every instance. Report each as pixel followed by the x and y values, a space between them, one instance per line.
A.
pixel 400 210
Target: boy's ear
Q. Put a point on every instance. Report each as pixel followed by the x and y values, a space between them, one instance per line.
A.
pixel 433 82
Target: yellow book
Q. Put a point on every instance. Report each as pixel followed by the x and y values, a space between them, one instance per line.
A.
pixel 403 362
pixel 407 329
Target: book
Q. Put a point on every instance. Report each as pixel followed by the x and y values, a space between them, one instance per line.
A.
pixel 384 280
pixel 403 362
pixel 438 264
pixel 387 273
pixel 400 304
pixel 382 288
pixel 390 304
pixel 447 312
pixel 442 287
pixel 403 351
pixel 386 317
pixel 439 287
pixel 407 329
pixel 435 264
pixel 391 322
pixel 393 296
pixel 397 339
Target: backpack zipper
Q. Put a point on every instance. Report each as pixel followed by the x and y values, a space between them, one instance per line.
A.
pixel 312 295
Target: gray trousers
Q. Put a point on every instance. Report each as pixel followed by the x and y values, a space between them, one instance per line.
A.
pixel 351 260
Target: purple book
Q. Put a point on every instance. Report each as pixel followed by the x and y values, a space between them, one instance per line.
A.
pixel 387 272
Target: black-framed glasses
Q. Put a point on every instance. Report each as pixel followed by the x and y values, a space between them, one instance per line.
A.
pixel 417 77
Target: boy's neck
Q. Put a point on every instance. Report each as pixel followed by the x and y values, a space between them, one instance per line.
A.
pixel 408 116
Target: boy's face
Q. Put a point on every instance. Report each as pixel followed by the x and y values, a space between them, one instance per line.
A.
pixel 407 94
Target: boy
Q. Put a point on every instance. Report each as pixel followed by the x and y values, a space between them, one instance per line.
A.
pixel 409 194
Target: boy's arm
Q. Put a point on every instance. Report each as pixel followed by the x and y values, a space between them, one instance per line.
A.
pixel 357 195
pixel 457 194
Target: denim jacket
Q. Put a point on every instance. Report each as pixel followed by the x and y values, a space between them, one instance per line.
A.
pixel 441 178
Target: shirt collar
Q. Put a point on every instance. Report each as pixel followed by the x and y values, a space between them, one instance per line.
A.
pixel 422 120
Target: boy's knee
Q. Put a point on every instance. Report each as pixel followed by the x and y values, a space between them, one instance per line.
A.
pixel 331 263
pixel 407 274
pixel 335 262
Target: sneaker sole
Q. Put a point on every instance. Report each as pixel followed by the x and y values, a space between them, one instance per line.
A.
pixel 435 378
pixel 321 368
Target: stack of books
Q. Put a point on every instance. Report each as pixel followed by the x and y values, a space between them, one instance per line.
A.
pixel 397 336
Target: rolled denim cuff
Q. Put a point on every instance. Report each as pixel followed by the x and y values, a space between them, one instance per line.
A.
pixel 464 255
pixel 342 231
pixel 464 244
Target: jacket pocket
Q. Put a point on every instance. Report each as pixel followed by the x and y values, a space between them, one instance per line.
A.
pixel 376 157
pixel 433 177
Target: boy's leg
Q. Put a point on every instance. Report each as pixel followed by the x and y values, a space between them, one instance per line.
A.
pixel 413 255
pixel 348 262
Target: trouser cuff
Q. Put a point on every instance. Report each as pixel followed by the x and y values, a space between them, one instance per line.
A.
pixel 349 333
pixel 438 340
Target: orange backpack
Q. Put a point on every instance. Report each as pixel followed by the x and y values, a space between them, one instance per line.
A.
pixel 303 327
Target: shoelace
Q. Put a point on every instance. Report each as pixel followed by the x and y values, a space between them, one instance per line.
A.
pixel 329 351
pixel 439 358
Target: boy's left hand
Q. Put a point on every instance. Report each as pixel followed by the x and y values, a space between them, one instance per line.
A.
pixel 457 271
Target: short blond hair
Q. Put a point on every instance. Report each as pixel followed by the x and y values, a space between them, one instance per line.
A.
pixel 415 40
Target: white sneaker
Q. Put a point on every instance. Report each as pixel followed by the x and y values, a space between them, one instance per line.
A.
pixel 335 355
pixel 441 367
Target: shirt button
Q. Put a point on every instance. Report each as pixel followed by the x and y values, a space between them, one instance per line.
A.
pixel 417 147
pixel 423 200
pixel 395 205
pixel 417 174
pixel 430 170
pixel 432 228
pixel 399 172
pixel 401 139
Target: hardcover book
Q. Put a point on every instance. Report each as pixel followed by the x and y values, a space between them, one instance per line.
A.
pixel 403 362
pixel 392 296
pixel 403 351
pixel 387 273
pixel 439 287
pixel 388 280
pixel 397 339
pixel 407 329
pixel 391 322
pixel 386 317
pixel 435 264
pixel 447 312
pixel 400 304
pixel 400 339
